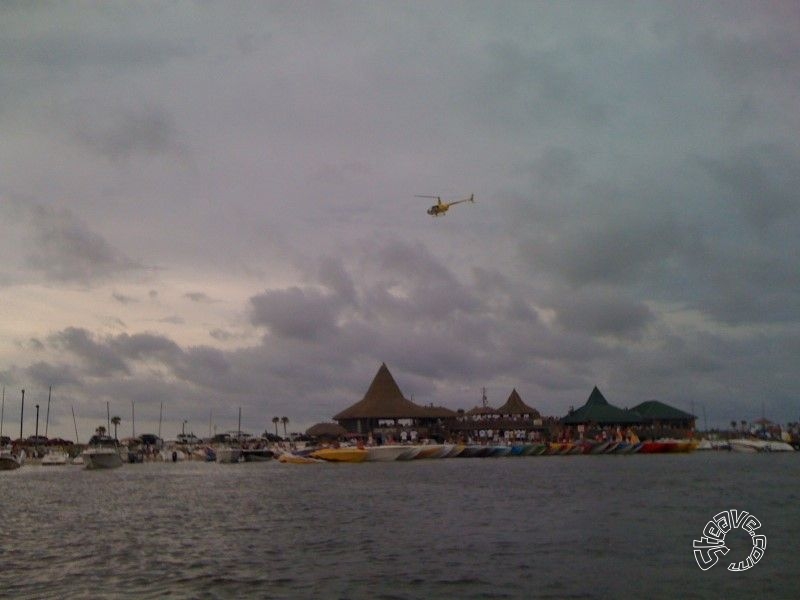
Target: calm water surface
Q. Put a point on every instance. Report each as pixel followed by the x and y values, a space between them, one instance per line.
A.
pixel 531 527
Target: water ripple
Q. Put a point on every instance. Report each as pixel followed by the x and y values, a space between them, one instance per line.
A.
pixel 539 527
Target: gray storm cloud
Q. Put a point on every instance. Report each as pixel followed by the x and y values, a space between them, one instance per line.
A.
pixel 214 207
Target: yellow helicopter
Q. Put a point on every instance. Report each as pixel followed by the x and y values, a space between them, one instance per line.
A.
pixel 440 208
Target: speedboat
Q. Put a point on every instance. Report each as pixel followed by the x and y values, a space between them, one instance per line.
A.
pixel 410 452
pixel 498 451
pixel 9 461
pixel 456 450
pixel 433 451
pixel 55 458
pixel 385 453
pixel 348 454
pixel 537 450
pixel 750 446
pixel 298 459
pixel 518 450
pixel 470 451
pixel 102 453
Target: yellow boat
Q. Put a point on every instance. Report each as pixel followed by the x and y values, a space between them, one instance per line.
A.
pixel 352 455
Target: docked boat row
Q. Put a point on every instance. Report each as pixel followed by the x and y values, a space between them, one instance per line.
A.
pixel 385 426
pixel 402 452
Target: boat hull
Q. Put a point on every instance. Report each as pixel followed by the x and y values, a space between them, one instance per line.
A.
pixel 9 463
pixel 433 451
pixel 101 459
pixel 455 451
pixel 385 453
pixel 751 446
pixel 297 459
pixel 259 455
pixel 55 459
pixel 349 455
pixel 409 453
pixel 498 451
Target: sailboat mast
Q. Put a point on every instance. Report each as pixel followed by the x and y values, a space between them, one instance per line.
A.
pixel 75 423
pixel 47 418
pixel 2 411
pixel 21 414
pixel 239 433
pixel 133 419
pixel 160 416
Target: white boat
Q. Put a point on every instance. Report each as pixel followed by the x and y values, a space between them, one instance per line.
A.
pixel 228 454
pixel 751 446
pixel 9 461
pixel 410 453
pixel 102 453
pixel 385 453
pixel 55 458
pixel 776 446
pixel 455 450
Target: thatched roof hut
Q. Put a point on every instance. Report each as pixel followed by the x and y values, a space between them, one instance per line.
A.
pixel 383 400
pixel 481 411
pixel 515 406
pixel 438 412
pixel 331 431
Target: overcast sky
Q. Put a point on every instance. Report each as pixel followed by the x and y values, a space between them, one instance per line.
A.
pixel 211 205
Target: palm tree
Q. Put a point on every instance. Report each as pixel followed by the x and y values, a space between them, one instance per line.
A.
pixel 115 421
pixel 275 421
pixel 101 431
pixel 284 420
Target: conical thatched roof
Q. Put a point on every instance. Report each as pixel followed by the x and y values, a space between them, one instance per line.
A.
pixel 383 400
pixel 331 430
pixel 439 412
pixel 481 410
pixel 598 410
pixel 515 406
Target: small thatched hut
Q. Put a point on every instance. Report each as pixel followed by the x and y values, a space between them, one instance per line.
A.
pixel 326 431
pixel 516 408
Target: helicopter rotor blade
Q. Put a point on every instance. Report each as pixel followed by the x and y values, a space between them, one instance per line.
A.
pixel 434 197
